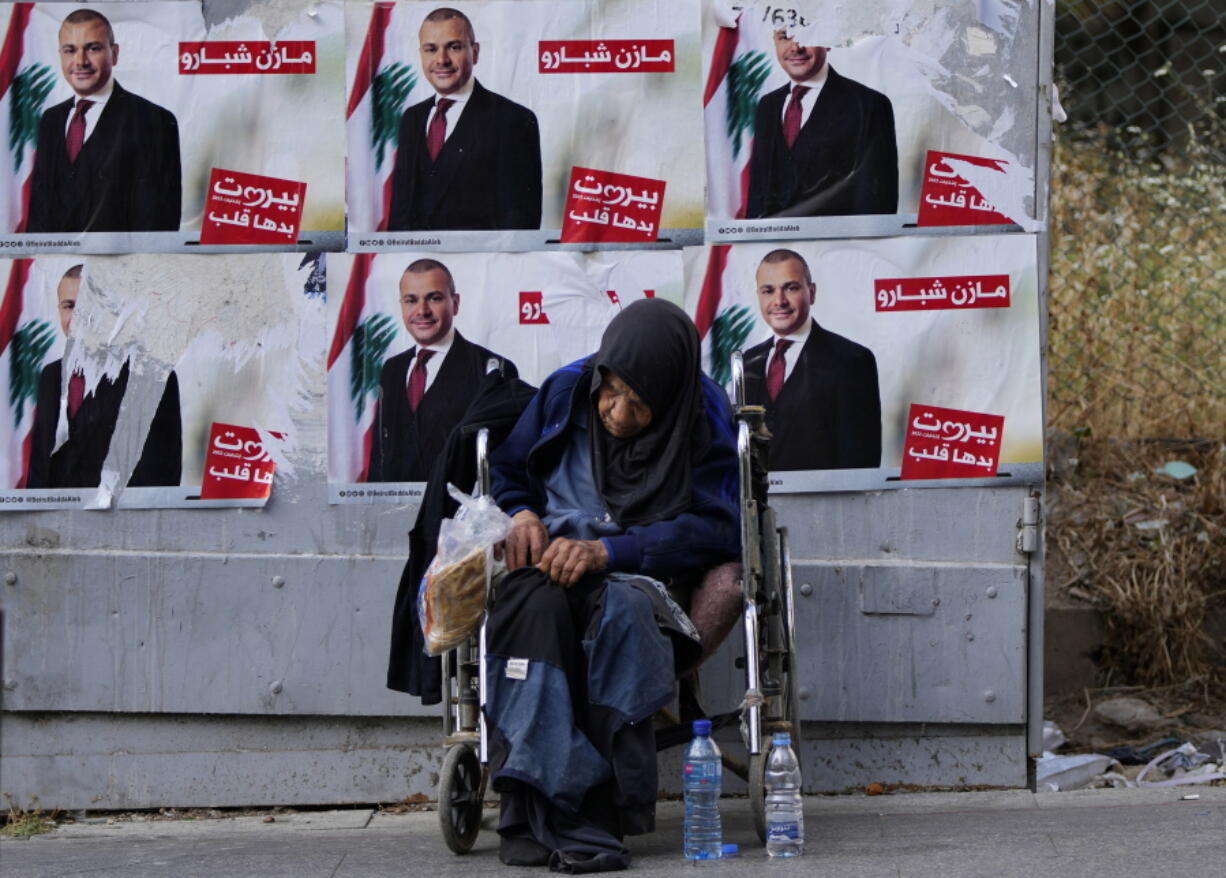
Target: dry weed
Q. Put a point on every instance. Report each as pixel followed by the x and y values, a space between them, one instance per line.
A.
pixel 1150 550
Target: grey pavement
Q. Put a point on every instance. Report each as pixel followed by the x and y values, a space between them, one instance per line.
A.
pixel 1150 832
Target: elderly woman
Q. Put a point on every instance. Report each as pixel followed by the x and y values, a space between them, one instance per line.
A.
pixel 621 473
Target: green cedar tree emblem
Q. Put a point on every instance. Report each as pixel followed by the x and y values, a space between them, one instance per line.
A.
pixel 371 339
pixel 389 92
pixel 745 79
pixel 29 91
pixel 27 350
pixel 728 333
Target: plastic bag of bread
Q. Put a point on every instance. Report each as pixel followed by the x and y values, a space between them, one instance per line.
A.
pixel 452 596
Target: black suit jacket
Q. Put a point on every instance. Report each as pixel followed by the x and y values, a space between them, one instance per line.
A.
pixel 407 443
pixel 487 176
pixel 126 178
pixel 828 414
pixel 844 161
pixel 78 462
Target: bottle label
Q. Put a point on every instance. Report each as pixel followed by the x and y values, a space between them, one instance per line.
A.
pixel 702 771
pixel 787 830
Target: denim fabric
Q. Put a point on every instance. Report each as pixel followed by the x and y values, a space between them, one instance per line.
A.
pixel 536 717
pixel 630 660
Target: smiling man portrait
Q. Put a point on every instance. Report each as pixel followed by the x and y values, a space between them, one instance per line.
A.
pixel 107 160
pixel 424 392
pixel 467 158
pixel 823 404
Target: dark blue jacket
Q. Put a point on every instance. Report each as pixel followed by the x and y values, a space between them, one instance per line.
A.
pixel 708 533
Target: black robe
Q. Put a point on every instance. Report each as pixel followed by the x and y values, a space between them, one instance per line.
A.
pixel 496 404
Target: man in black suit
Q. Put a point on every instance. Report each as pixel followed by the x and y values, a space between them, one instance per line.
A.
pixel 91 422
pixel 424 392
pixel 823 406
pixel 467 158
pixel 823 144
pixel 107 160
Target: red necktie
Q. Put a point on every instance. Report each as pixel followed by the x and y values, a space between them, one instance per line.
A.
pixel 438 127
pixel 76 393
pixel 778 369
pixel 793 115
pixel 76 130
pixel 417 379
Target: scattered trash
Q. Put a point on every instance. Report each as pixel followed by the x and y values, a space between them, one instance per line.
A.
pixel 1151 524
pixel 1056 774
pixel 1177 469
pixel 1182 765
pixel 1190 797
pixel 270 819
pixel 874 789
pixel 1053 737
pixel 1129 755
pixel 1130 713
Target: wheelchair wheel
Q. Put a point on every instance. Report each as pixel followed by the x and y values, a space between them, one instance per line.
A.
pixel 757 791
pixel 460 791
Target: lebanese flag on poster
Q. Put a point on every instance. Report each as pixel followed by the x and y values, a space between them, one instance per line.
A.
pixel 734 72
pixel 29 339
pixel 724 313
pixel 355 359
pixel 27 80
pixel 389 70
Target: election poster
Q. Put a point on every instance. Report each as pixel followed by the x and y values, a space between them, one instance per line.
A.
pixel 157 381
pixel 531 125
pixel 868 119
pixel 881 363
pixel 168 126
pixel 413 336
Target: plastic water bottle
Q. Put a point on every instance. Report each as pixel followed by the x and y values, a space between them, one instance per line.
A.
pixel 703 778
pixel 785 816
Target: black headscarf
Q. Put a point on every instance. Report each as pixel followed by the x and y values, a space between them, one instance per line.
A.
pixel 652 346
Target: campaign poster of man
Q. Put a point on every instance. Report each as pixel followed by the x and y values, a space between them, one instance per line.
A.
pixel 857 348
pixel 124 375
pixel 152 127
pixel 471 118
pixel 819 116
pixel 414 337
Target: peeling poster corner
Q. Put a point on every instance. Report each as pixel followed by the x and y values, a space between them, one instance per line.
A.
pixel 114 406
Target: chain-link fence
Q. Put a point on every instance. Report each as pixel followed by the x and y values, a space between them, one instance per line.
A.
pixel 1138 233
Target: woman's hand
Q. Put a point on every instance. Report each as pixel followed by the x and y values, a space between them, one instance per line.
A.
pixel 526 540
pixel 567 561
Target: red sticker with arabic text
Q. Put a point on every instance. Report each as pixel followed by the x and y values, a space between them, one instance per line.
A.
pixel 236 465
pixel 606 56
pixel 604 206
pixel 532 308
pixel 941 293
pixel 951 444
pixel 946 199
pixel 250 209
pixel 250 56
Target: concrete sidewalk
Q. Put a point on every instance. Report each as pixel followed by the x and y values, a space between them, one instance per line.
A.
pixel 1152 832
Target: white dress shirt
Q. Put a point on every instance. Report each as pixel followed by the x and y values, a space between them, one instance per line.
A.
pixel 792 354
pixel 452 115
pixel 814 83
pixel 440 350
pixel 94 113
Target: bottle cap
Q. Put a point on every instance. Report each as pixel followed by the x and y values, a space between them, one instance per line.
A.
pixel 783 739
pixel 729 850
pixel 702 727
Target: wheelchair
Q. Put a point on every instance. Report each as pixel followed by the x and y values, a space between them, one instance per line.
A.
pixel 768 631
